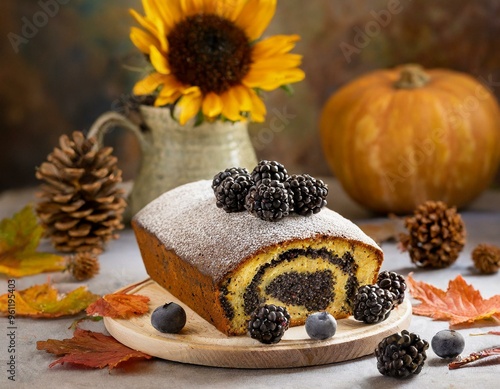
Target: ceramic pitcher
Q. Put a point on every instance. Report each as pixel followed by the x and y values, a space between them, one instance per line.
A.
pixel 173 155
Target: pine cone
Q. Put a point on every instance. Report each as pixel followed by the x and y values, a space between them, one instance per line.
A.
pixel 436 235
pixel 486 258
pixel 81 206
pixel 83 266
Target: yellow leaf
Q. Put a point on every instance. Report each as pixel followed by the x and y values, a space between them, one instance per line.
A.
pixel 44 301
pixel 19 240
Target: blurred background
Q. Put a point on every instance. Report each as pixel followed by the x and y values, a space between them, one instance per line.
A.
pixel 65 62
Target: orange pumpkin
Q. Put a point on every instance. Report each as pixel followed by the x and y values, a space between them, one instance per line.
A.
pixel 396 138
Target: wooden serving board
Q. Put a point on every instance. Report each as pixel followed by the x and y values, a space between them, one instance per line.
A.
pixel 201 343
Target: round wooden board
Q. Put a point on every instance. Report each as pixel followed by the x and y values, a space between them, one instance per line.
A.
pixel 201 343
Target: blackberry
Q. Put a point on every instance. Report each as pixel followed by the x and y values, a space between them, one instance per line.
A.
pixel 394 283
pixel 271 170
pixel 230 194
pixel 402 355
pixel 270 201
pixel 230 172
pixel 372 304
pixel 309 194
pixel 268 323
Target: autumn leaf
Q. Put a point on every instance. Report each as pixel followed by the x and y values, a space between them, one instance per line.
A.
pixel 19 240
pixel 119 306
pixel 44 301
pixel 90 349
pixel 460 304
pixel 473 357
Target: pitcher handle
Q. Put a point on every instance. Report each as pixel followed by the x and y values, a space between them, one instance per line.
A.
pixel 114 119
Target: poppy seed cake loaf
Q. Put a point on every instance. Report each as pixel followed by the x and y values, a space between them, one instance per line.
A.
pixel 223 265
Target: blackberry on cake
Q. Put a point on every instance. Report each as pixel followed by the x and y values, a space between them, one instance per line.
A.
pixel 269 200
pixel 372 304
pixel 268 323
pixel 230 172
pixel 271 170
pixel 309 194
pixel 231 193
pixel 224 265
pixel 394 283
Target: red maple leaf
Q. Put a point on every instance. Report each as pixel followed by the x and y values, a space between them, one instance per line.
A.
pixel 119 306
pixel 91 349
pixel 460 304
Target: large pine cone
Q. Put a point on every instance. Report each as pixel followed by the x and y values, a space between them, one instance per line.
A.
pixel 81 206
pixel 436 235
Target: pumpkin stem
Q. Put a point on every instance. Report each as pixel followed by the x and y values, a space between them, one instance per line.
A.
pixel 412 76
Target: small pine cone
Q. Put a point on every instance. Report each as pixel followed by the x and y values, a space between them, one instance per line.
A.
pixel 81 206
pixel 83 266
pixel 486 258
pixel 436 235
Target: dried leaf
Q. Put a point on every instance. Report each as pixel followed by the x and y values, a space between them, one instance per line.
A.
pixel 44 301
pixel 19 239
pixel 119 306
pixel 460 304
pixel 90 349
pixel 473 357
pixel 487 333
pixel 382 231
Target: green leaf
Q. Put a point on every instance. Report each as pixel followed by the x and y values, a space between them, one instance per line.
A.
pixel 19 240
pixel 288 88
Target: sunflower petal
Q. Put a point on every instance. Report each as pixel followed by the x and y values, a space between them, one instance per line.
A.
pixel 145 23
pixel 149 84
pixel 283 61
pixel 244 100
pixel 255 17
pixel 258 111
pixel 230 106
pixel 142 39
pixel 229 9
pixel 270 80
pixel 274 45
pixel 189 104
pixel 171 85
pixel 212 105
pixel 159 61
pixel 191 7
pixel 162 100
pixel 169 12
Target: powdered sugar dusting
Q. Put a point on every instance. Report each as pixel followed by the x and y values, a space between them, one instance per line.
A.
pixel 187 221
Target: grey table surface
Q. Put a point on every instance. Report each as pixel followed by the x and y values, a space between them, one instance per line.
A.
pixel 121 265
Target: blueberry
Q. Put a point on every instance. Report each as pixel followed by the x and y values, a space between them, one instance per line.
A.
pixel 448 343
pixel 321 325
pixel 169 318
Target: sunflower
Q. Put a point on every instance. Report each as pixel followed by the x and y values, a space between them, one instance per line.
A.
pixel 207 56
